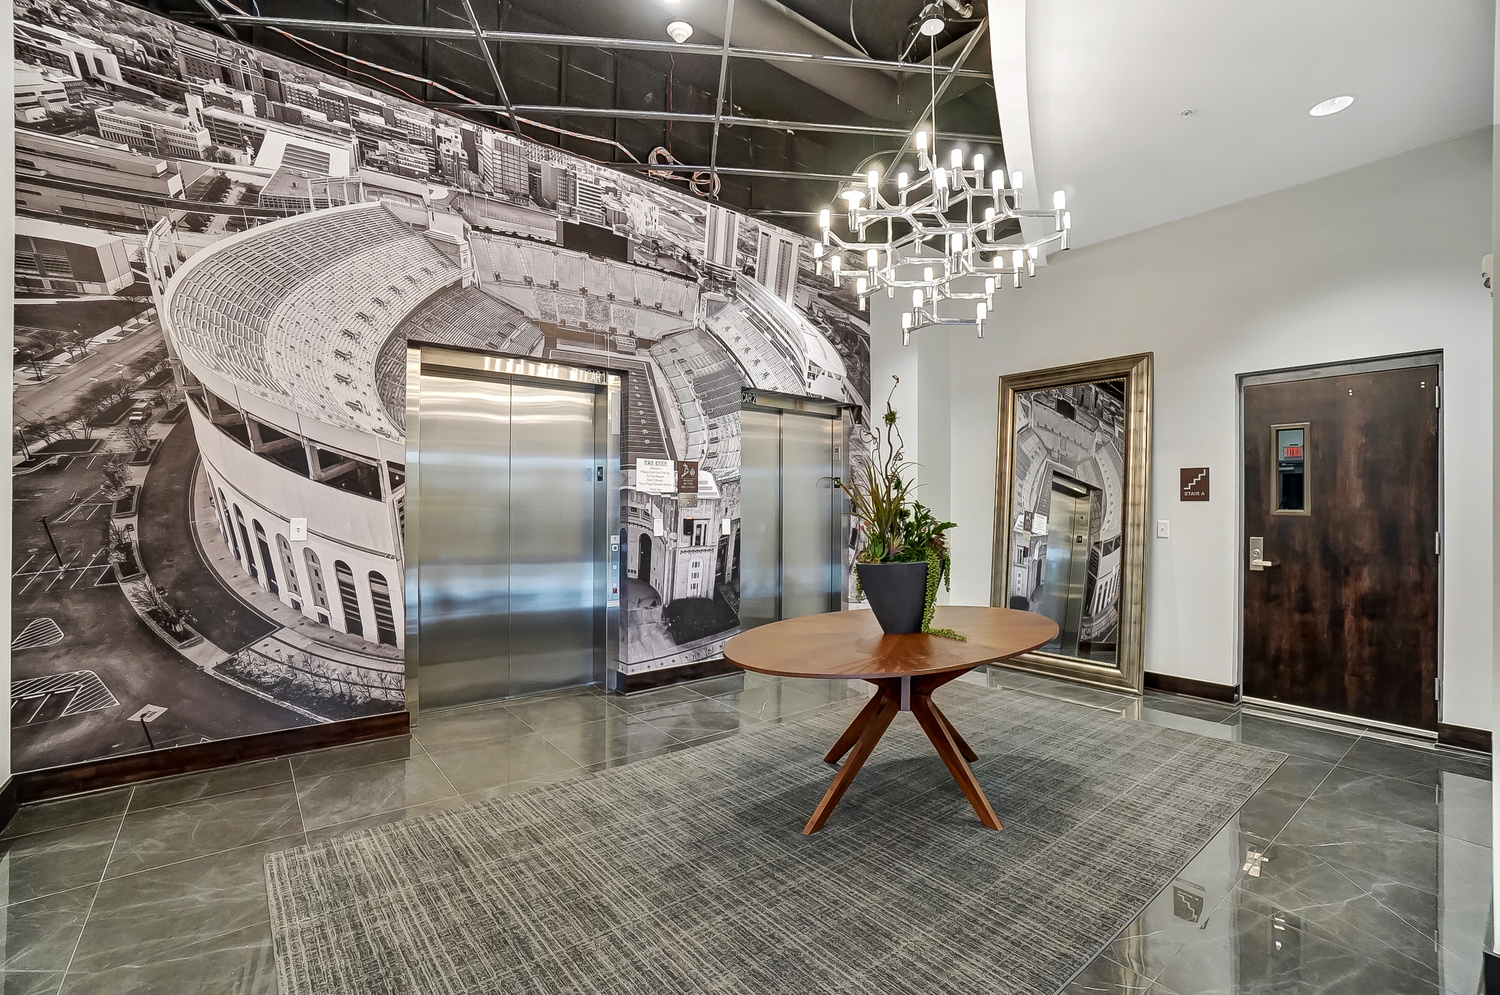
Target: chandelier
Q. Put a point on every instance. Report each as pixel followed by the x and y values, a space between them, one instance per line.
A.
pixel 939 234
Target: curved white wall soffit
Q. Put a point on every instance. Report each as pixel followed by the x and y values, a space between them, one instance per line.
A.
pixel 1012 96
pixel 1157 110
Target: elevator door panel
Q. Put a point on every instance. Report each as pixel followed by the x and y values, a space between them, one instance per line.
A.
pixel 760 513
pixel 1067 566
pixel 553 493
pixel 464 576
pixel 808 569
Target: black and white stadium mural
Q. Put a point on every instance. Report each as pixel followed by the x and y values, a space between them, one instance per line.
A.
pixel 220 257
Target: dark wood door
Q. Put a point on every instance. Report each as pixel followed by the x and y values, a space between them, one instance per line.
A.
pixel 1341 482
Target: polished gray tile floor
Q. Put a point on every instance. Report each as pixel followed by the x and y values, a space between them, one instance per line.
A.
pixel 1362 865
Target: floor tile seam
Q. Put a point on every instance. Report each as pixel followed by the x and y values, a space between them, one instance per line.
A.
pixel 1332 937
pixel 1066 701
pixel 1314 903
pixel 1242 872
pixel 1333 865
pixel 432 759
pixel 1275 839
pixel 7 840
pixel 301 816
pixel 1409 780
pixel 356 766
pixel 546 739
pixel 202 856
pixel 216 795
pixel 89 913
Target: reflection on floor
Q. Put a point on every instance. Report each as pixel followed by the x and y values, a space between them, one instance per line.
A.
pixel 1362 866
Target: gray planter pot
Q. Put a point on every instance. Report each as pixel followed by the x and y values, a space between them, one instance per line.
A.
pixel 897 593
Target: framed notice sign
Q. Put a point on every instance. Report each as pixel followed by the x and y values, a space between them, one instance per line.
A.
pixel 655 476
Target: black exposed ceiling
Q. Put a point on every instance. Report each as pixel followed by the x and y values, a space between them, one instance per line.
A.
pixel 674 80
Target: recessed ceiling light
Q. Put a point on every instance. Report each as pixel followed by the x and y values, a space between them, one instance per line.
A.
pixel 679 31
pixel 1331 106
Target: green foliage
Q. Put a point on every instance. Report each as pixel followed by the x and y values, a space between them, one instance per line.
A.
pixel 896 527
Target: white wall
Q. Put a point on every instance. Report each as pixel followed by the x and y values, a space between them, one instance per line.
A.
pixel 1379 260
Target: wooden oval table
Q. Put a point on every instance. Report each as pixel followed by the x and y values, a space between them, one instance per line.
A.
pixel 907 669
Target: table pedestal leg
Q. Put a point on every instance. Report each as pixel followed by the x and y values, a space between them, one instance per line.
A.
pixel 963 747
pixel 936 726
pixel 885 708
pixel 851 735
pixel 858 741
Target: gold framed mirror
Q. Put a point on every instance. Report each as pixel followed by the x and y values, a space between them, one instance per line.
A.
pixel 1072 490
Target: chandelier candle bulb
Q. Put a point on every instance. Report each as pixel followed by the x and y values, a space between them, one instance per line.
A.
pixel 1059 200
pixel 935 225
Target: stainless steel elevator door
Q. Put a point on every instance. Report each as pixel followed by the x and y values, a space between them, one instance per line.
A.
pixel 809 571
pixel 463 585
pixel 554 593
pixel 509 582
pixel 760 516
pixel 1067 563
pixel 789 515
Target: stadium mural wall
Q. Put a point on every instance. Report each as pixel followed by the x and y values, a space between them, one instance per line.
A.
pixel 220 257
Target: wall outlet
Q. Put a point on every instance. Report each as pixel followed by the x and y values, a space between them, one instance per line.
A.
pixel 1163 529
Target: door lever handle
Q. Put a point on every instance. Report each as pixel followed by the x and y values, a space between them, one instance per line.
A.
pixel 1262 564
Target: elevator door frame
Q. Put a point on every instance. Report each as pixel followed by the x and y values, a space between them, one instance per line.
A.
pixel 769 402
pixel 608 388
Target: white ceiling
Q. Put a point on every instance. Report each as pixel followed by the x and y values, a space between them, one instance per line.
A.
pixel 1107 82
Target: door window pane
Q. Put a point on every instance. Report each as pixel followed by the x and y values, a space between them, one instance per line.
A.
pixel 1291 470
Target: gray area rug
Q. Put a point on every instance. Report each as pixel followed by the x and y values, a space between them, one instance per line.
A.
pixel 688 873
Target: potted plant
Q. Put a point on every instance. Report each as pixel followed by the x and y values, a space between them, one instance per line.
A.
pixel 904 555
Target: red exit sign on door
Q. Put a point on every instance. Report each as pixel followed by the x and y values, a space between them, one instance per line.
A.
pixel 1291 452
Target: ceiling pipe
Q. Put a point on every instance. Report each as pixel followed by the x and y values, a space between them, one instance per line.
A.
pixel 766 24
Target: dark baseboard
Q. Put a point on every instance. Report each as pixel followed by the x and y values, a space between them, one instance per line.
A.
pixel 1492 972
pixel 1469 739
pixel 8 802
pixel 1228 693
pixel 110 772
pixel 652 679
